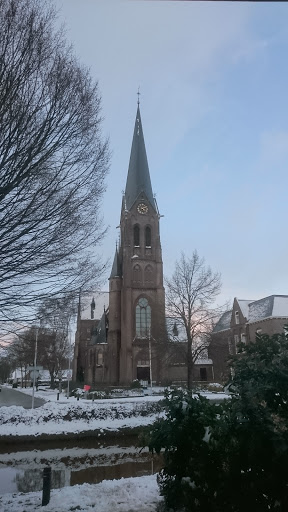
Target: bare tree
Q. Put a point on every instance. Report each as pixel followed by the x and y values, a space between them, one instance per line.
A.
pixel 190 298
pixel 21 351
pixel 53 162
pixel 56 315
pixel 5 366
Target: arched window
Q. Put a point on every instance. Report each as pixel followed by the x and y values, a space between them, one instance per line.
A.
pixel 136 236
pixel 143 318
pixel 137 274
pixel 148 236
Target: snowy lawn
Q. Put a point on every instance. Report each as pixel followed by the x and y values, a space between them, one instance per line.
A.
pixel 66 416
pixel 138 494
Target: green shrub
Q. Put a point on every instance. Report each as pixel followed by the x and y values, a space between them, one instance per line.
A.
pixel 231 457
pixel 135 384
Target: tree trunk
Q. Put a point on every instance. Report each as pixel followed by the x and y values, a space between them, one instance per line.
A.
pixel 52 379
pixel 189 365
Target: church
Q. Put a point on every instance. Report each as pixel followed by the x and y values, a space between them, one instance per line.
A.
pixel 123 335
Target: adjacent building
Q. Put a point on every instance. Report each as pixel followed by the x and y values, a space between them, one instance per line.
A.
pixel 241 324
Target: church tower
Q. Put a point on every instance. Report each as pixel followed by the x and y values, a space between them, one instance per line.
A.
pixel 136 292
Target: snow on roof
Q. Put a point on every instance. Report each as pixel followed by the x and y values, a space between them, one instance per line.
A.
pixel 260 309
pixel 244 306
pixel 255 310
pixel 272 306
pixel 101 300
pixel 280 307
pixel 203 360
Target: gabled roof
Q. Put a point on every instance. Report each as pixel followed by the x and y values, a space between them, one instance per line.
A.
pixel 244 306
pixel 138 179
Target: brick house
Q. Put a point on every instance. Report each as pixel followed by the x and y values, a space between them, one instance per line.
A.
pixel 241 324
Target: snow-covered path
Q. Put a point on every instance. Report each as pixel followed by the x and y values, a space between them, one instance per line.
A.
pixel 126 495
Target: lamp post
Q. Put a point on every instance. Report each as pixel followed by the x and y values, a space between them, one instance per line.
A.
pixel 150 358
pixel 69 348
pixel 34 370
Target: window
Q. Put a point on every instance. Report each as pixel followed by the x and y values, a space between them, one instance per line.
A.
pixel 230 346
pixel 236 341
pixel 136 236
pixel 237 321
pixel 148 236
pixel 100 358
pixel 243 338
pixel 203 374
pixel 143 318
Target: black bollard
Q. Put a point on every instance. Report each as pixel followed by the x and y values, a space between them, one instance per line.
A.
pixel 57 396
pixel 46 486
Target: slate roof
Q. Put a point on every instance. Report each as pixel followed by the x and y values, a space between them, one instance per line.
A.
pixel 138 178
pixel 272 306
pixel 224 322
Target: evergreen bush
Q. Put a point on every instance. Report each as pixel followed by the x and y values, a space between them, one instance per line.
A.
pixel 231 457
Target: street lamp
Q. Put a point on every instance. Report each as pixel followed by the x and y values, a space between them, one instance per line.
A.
pixel 34 370
pixel 69 348
pixel 150 358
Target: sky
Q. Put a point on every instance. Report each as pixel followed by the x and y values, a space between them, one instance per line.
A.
pixel 213 81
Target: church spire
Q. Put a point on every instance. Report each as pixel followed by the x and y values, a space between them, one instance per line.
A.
pixel 138 179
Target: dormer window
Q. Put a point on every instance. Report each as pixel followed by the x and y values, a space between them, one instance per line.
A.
pixel 237 320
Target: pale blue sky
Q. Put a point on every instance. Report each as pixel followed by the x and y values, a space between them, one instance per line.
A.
pixel 213 79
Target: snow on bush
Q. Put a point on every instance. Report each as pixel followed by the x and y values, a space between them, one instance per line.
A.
pixel 71 412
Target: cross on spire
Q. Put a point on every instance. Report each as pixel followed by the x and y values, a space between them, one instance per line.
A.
pixel 138 94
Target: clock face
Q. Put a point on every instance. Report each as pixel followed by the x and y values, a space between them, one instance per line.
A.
pixel 142 208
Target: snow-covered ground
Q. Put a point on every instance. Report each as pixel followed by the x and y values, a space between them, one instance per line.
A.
pixel 138 494
pixel 64 416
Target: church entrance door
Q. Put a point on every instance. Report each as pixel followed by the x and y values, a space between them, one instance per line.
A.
pixel 143 373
